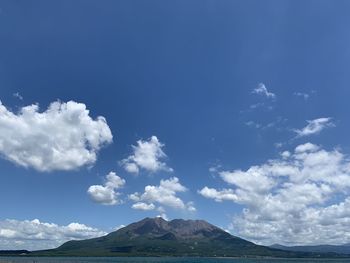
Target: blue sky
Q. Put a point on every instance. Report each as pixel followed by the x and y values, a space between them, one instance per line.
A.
pixel 228 89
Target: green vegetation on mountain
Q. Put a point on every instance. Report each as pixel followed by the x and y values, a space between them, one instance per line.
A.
pixel 14 252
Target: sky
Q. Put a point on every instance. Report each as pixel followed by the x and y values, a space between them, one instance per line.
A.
pixel 235 112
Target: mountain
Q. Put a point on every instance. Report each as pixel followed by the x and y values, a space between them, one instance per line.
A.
pixel 340 249
pixel 14 252
pixel 158 237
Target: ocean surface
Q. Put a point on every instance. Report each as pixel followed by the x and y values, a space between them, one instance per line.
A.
pixel 159 260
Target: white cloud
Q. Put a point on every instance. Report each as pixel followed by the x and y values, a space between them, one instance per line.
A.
pixel 250 180
pixel 256 105
pixel 164 216
pixel 307 147
pixel 253 124
pixel 164 194
pixel 285 154
pixel 278 144
pixel 131 167
pixel 214 169
pixel 218 196
pixel 119 227
pixel 314 127
pixel 106 194
pixel 303 95
pixel 146 155
pixel 262 90
pixel 64 137
pixel 17 95
pixel 278 123
pixel 300 198
pixel 190 207
pixel 34 235
pixel 143 206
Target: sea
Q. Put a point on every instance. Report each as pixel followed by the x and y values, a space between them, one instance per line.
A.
pixel 159 260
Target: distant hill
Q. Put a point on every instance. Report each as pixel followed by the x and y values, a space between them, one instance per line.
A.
pixel 341 249
pixel 14 252
pixel 158 237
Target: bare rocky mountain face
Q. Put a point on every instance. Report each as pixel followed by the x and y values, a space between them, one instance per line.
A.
pixel 178 229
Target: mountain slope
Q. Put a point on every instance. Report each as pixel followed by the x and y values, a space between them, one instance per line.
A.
pixel 158 237
pixel 14 252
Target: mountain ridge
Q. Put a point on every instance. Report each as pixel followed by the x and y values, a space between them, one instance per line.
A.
pixel 178 237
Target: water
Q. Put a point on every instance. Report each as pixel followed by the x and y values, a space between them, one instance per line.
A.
pixel 159 260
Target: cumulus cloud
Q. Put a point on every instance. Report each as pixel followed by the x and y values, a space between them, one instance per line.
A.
pixel 165 195
pixel 306 147
pixel 64 137
pixel 146 155
pixel 219 196
pixel 106 194
pixel 143 206
pixel 299 198
pixel 34 235
pixel 315 126
pixel 262 90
